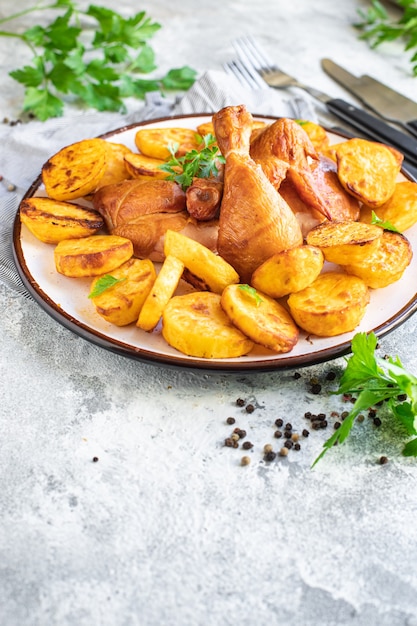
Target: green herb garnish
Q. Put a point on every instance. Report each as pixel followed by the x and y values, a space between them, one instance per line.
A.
pixel 377 27
pixel 104 283
pixel 201 163
pixel 372 379
pixel 252 293
pixel 96 56
pixel 386 225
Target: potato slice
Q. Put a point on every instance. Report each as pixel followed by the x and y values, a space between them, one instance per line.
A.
pixel 400 210
pixel 154 142
pixel 334 304
pixel 92 256
pixel 345 242
pixel 368 170
pixel 52 221
pixel 214 271
pixel 162 291
pixel 115 170
pixel 76 170
pixel 318 135
pixel 121 303
pixel 142 166
pixel 288 271
pixel 385 265
pixel 196 325
pixel 260 318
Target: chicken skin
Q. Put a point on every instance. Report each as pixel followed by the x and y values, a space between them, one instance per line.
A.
pixel 255 221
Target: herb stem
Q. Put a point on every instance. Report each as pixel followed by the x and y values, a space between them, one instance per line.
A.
pixel 36 7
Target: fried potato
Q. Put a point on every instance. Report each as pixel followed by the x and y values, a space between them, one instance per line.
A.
pixel 260 318
pixel 76 170
pixel 368 170
pixel 115 170
pixel 385 265
pixel 318 135
pixel 121 303
pixel 334 304
pixel 288 271
pixel 154 142
pixel 400 210
pixel 207 266
pixel 196 325
pixel 142 166
pixel 92 256
pixel 345 242
pixel 162 291
pixel 52 221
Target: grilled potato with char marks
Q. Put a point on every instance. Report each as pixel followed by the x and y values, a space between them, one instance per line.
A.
pixel 400 210
pixel 334 304
pixel 92 256
pixel 196 325
pixel 345 242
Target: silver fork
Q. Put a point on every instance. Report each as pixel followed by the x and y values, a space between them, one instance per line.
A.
pixel 245 74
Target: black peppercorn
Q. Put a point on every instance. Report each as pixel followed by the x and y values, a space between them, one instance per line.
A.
pixel 230 420
pixel 279 422
pixel 277 434
pixel 240 402
pixel 95 459
pixel 247 445
pixel 250 408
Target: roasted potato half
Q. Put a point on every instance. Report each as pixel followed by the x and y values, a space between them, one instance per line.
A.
pixel 162 291
pixel 142 166
pixel 318 135
pixel 196 325
pixel 121 303
pixel 260 318
pixel 76 170
pixel 288 271
pixel 52 221
pixel 345 242
pixel 207 266
pixel 115 170
pixel 154 142
pixel 400 210
pixel 368 170
pixel 386 264
pixel 92 256
pixel 334 304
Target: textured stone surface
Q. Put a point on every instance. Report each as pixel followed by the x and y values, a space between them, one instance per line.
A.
pixel 167 527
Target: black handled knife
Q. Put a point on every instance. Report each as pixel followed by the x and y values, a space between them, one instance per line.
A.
pixel 386 102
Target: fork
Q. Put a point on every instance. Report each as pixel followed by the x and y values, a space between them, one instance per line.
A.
pixel 245 74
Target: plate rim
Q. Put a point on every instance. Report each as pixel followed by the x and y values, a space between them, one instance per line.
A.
pixel 111 344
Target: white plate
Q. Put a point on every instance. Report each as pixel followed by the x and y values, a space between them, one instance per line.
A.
pixel 65 299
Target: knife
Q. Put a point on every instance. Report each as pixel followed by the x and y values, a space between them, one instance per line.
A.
pixel 383 100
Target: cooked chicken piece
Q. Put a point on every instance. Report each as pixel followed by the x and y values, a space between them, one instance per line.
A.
pixel 203 198
pixel 288 141
pixel 255 221
pixel 306 216
pixel 123 202
pixel 341 205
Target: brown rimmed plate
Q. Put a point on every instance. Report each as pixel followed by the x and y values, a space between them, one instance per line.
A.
pixel 65 299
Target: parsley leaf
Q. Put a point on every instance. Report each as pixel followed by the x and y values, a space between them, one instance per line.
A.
pixel 96 55
pixel 372 379
pixel 104 283
pixel 377 27
pixel 386 225
pixel 201 163
pixel 252 293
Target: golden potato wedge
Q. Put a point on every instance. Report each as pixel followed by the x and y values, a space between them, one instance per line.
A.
pixel 368 170
pixel 345 242
pixel 162 291
pixel 154 142
pixel 317 134
pixel 288 271
pixel 196 325
pixel 52 221
pixel 75 171
pixel 385 265
pixel 260 318
pixel 400 210
pixel 334 304
pixel 214 271
pixel 115 170
pixel 92 256
pixel 121 303
pixel 142 166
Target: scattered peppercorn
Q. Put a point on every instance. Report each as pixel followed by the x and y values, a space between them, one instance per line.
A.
pixel 297 375
pixel 330 375
pixel 245 460
pixel 277 434
pixel 288 426
pixel 279 422
pixel 288 444
pixel 305 432
pixel 295 437
pixel 377 422
pixel 230 420
pixel 337 425
pixel 234 437
pixel 250 408
pixel 316 388
pixel 307 415
pixel 297 446
pixel 270 456
pixel 240 432
pixel 95 459
pixel 267 448
pixel 360 418
pixel 247 445
pixel 283 452
pixel 240 402
pixel 383 460
pixel 228 442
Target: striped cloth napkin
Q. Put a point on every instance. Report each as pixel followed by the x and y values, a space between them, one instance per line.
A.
pixel 25 147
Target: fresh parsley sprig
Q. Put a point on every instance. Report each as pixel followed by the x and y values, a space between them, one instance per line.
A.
pixel 385 224
pixel 104 283
pixel 372 379
pixel 377 27
pixel 201 163
pixel 96 57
